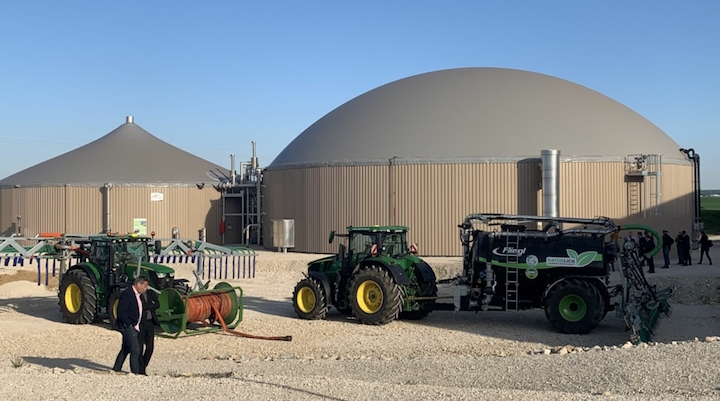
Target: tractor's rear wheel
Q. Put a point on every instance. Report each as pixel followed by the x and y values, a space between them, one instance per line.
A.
pixel 78 300
pixel 426 290
pixel 375 298
pixel 309 299
pixel 113 301
pixel 574 306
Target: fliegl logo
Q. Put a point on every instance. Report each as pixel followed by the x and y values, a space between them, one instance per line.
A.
pixel 573 260
pixel 509 251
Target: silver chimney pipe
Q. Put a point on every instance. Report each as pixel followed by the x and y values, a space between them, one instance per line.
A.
pixel 232 169
pixel 550 182
pixel 129 119
pixel 254 160
pixel 108 186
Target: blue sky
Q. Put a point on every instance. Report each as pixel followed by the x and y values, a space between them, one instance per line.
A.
pixel 210 77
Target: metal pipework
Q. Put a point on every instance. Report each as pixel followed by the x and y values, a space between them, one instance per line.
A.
pixel 254 160
pixel 232 169
pixel 550 182
pixel 108 186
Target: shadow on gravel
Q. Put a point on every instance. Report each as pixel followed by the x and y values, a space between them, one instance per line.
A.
pixel 269 307
pixel 65 363
pixel 41 307
pixel 686 323
pixel 44 308
pixel 289 388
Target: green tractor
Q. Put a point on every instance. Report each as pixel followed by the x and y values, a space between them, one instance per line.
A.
pixel 376 277
pixel 110 265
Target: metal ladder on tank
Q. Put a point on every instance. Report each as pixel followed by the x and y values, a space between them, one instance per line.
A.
pixel 512 279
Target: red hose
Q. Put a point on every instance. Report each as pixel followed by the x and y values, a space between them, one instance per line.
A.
pixel 213 307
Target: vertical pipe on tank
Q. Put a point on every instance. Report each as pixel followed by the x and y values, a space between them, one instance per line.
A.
pixel 550 182
pixel 107 186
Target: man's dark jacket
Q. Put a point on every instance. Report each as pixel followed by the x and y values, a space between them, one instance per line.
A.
pixel 128 312
pixel 667 241
pixel 150 305
pixel 649 245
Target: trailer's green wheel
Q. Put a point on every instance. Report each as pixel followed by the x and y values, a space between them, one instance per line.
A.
pixel 171 311
pixel 574 306
pixel 309 299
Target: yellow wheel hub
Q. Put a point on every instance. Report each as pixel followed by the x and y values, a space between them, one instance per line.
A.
pixel 369 297
pixel 73 298
pixel 306 300
pixel 114 308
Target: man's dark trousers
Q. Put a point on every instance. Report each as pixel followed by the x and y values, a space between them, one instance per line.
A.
pixel 130 345
pixel 147 343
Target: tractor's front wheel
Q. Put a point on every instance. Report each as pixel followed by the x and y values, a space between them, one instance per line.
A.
pixel 78 300
pixel 574 306
pixel 113 301
pixel 309 299
pixel 375 298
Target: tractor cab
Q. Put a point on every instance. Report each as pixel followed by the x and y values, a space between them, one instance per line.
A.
pixel 365 242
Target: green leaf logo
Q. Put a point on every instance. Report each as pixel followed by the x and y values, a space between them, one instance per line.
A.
pixel 572 254
pixel 586 258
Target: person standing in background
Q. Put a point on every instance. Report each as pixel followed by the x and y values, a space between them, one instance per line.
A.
pixel 667 245
pixel 679 246
pixel 705 245
pixel 686 249
pixel 649 245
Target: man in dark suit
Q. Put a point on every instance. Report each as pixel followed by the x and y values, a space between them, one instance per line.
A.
pixel 128 321
pixel 147 327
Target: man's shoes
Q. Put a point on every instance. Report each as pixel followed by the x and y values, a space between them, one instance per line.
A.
pixel 665 267
pixel 651 271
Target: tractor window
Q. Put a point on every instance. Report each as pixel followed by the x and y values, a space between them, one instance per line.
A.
pixel 394 244
pixel 102 254
pixel 361 243
pixel 137 249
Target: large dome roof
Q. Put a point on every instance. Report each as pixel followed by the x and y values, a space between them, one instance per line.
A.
pixel 127 156
pixel 475 114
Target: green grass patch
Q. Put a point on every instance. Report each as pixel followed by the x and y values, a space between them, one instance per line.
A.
pixel 710 213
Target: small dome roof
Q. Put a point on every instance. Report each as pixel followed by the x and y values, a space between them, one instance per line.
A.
pixel 129 156
pixel 471 113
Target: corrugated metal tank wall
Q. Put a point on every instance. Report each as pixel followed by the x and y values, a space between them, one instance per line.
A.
pixel 321 199
pixel 80 210
pixel 432 199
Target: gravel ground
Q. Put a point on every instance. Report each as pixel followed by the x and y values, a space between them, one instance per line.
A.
pixel 464 355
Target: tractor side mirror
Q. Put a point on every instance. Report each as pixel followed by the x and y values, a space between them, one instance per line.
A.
pixel 331 237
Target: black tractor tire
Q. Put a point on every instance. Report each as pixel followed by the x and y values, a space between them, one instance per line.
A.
pixel 309 299
pixel 181 286
pixel 112 302
pixel 375 298
pixel 427 288
pixel 574 306
pixel 602 289
pixel 78 299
